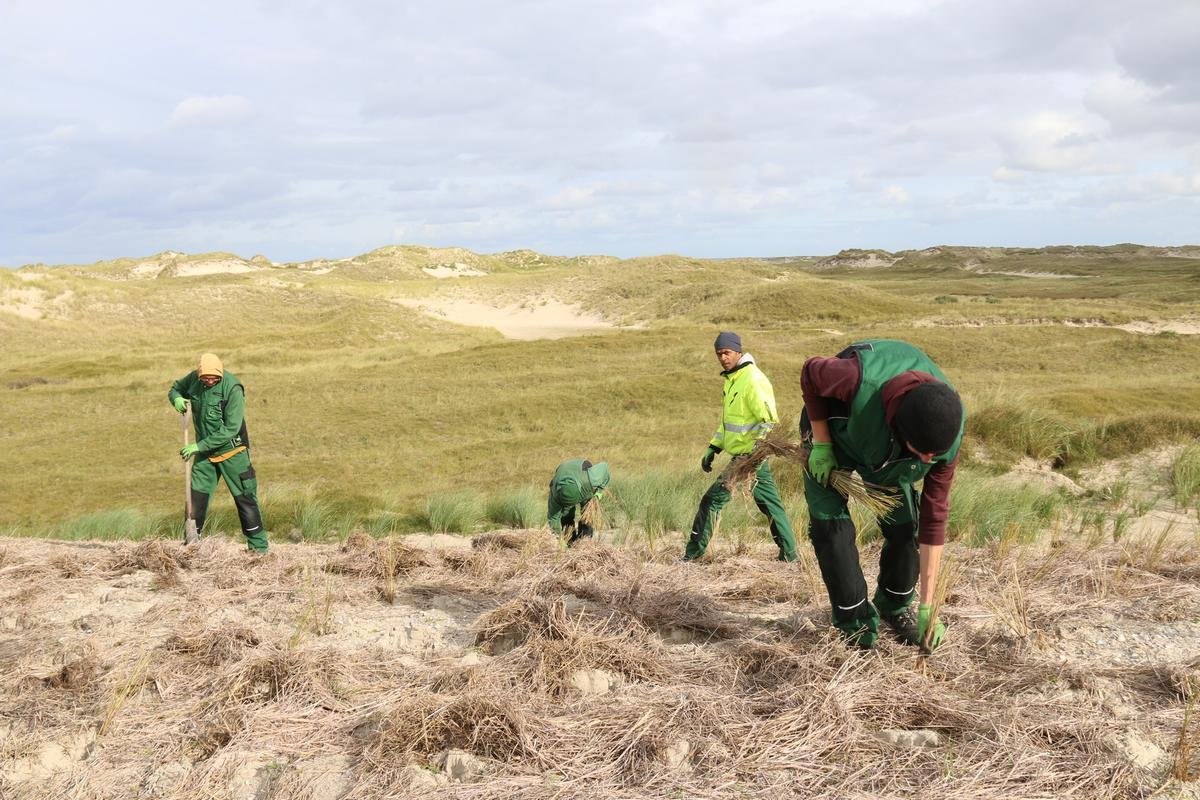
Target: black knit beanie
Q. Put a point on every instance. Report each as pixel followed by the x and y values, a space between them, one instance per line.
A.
pixel 929 417
pixel 728 340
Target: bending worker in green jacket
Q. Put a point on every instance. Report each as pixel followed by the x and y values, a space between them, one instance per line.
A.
pixel 222 446
pixel 883 409
pixel 747 415
pixel 574 483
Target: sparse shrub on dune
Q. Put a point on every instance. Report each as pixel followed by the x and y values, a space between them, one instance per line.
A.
pixel 523 507
pixel 454 512
pixel 1022 428
pixel 1185 476
pixel 658 503
pixel 122 523
pixel 983 510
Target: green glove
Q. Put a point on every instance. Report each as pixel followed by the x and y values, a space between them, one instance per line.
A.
pixel 821 462
pixel 709 455
pixel 180 405
pixel 188 450
pixel 924 611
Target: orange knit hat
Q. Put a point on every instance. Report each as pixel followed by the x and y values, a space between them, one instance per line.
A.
pixel 210 365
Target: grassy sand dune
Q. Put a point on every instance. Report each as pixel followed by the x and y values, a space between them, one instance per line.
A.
pixel 351 391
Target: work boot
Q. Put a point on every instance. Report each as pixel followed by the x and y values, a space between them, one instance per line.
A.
pixel 861 631
pixel 904 626
pixel 256 542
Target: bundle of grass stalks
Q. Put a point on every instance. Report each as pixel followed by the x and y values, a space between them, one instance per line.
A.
pixel 500 540
pixel 378 558
pixel 78 675
pixel 215 646
pixel 592 514
pixel 427 723
pixel 166 560
pixel 520 618
pixel 741 475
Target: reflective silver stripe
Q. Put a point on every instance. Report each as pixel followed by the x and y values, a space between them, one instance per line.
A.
pixel 856 605
pixel 899 594
pixel 754 426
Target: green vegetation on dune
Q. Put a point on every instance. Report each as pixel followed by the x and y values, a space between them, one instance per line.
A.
pixel 362 410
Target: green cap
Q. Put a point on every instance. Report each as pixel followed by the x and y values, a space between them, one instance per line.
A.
pixel 598 476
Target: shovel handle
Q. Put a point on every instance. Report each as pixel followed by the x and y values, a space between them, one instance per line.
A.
pixel 187 464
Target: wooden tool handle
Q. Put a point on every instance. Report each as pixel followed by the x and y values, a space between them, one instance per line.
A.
pixel 187 464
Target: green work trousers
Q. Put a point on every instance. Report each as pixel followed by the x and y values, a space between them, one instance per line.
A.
pixel 239 477
pixel 766 497
pixel 833 538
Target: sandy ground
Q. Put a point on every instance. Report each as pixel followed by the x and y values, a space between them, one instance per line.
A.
pixel 227 266
pixel 1184 326
pixel 535 318
pixel 506 667
pixel 33 303
pixel 456 270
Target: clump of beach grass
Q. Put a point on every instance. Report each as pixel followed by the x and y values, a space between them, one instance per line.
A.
pixel 522 507
pixel 454 512
pixel 1185 475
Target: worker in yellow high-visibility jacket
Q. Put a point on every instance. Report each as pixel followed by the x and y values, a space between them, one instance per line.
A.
pixel 747 415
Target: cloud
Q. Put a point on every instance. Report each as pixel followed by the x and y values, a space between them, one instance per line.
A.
pixel 1057 142
pixel 696 126
pixel 211 111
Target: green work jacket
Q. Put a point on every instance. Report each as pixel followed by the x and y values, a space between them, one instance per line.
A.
pixel 864 435
pixel 574 483
pixel 747 409
pixel 218 413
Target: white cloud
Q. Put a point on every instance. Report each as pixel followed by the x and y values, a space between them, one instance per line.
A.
pixel 212 111
pixel 1052 141
pixel 707 127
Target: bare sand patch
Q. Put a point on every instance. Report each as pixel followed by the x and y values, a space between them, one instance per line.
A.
pixel 1041 475
pixel 976 266
pixel 226 266
pixel 455 270
pixel 147 269
pixel 33 303
pixel 541 318
pixel 1185 326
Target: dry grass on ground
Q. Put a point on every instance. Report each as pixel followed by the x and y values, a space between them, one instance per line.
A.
pixel 362 671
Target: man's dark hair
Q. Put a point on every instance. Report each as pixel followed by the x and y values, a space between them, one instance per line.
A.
pixel 929 417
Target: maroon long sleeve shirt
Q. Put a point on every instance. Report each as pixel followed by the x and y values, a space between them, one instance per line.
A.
pixel 838 378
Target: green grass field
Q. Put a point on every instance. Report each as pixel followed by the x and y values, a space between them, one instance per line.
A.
pixel 367 413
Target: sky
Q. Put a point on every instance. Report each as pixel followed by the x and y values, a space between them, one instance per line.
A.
pixel 298 129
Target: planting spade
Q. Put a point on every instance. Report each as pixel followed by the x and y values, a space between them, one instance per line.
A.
pixel 190 534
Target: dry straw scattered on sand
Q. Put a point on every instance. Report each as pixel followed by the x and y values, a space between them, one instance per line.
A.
pixel 581 673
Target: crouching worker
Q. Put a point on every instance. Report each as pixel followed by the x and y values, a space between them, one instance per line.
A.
pixel 222 446
pixel 883 409
pixel 575 483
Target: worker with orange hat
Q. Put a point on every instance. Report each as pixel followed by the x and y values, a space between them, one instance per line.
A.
pixel 222 446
